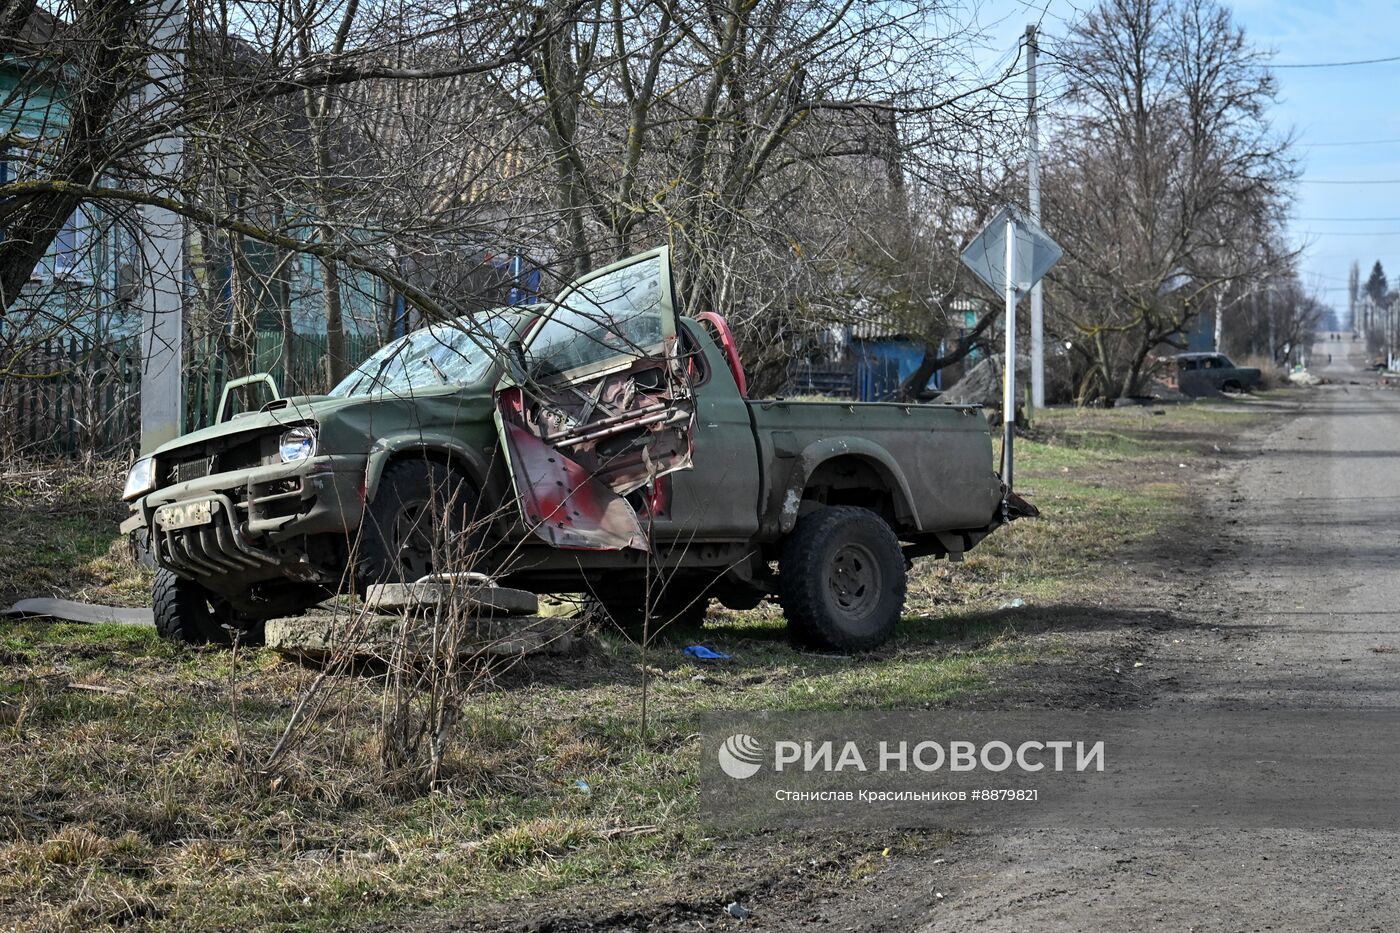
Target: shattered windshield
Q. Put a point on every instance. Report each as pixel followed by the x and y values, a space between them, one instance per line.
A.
pixel 458 352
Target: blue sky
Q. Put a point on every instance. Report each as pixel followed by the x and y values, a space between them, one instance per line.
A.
pixel 1329 111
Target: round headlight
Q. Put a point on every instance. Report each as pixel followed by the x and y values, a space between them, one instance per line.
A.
pixel 297 444
pixel 140 479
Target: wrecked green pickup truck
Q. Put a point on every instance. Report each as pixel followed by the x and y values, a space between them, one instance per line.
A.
pixel 597 444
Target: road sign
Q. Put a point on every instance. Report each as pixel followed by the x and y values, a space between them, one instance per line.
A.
pixel 1010 241
pixel 1035 251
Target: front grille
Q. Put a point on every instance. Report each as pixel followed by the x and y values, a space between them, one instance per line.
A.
pixel 256 451
pixel 259 450
pixel 186 470
pixel 217 548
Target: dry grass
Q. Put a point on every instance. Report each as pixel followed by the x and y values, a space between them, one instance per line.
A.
pixel 60 535
pixel 142 805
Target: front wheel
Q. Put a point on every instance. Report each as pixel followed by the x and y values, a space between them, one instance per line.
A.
pixel 842 579
pixel 187 612
pixel 422 521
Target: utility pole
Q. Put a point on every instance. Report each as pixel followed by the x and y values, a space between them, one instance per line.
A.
pixel 1389 332
pixel 1269 316
pixel 1353 289
pixel 1033 177
pixel 162 241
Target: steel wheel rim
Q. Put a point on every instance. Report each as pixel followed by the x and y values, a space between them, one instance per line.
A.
pixel 413 540
pixel 853 580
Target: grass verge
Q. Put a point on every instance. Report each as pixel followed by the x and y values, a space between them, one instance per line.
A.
pixel 132 793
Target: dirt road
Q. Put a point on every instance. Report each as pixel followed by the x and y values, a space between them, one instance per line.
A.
pixel 1293 603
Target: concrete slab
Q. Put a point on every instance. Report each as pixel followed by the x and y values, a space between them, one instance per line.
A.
pixel 474 591
pixel 323 635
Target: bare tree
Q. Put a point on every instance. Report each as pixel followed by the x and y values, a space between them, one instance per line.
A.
pixel 773 143
pixel 813 162
pixel 1167 179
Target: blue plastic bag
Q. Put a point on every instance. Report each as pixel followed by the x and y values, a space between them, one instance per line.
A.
pixel 703 653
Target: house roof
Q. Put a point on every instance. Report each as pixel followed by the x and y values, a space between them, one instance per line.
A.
pixel 877 330
pixel 864 326
pixel 40 26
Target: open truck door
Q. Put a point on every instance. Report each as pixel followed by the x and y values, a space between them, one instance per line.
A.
pixel 597 405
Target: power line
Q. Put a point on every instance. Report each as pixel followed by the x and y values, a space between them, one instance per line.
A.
pixel 1345 181
pixel 1363 61
pixel 1322 233
pixel 1348 219
pixel 1355 142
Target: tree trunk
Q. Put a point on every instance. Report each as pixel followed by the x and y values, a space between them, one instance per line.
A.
pixel 284 312
pixel 335 325
pixel 932 362
pixel 558 75
pixel 240 339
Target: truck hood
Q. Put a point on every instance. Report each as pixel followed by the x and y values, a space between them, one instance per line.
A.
pixel 281 413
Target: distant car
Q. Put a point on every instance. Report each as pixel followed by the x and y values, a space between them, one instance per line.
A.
pixel 1200 374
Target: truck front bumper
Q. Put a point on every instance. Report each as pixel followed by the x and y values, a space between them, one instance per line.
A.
pixel 230 529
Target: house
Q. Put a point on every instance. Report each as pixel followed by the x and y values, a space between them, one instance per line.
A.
pixel 865 361
pixel 82 282
pixel 73 331
pixel 242 296
pixel 869 360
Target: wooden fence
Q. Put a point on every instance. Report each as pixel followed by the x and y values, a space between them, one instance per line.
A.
pixel 75 396
pixel 72 396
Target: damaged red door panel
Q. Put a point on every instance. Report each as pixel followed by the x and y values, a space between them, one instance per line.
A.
pixel 602 408
pixel 565 505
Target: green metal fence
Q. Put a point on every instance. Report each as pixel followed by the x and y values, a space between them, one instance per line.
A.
pixel 300 369
pixel 71 396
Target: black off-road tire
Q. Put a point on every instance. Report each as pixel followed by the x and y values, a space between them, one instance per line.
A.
pixel 443 497
pixel 672 614
pixel 842 579
pixel 183 612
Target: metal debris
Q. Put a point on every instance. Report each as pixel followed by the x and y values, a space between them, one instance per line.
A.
pixel 72 611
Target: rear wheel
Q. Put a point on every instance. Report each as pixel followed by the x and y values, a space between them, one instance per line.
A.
pixel 842 579
pixel 187 612
pixel 419 523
